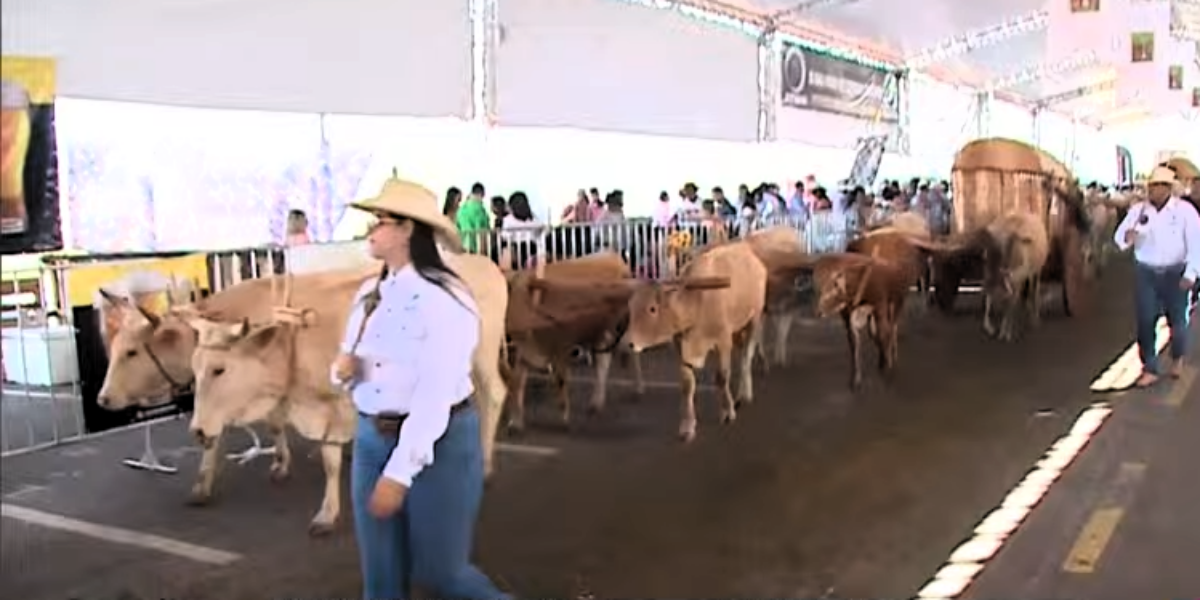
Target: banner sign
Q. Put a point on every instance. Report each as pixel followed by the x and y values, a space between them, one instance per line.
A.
pixel 1124 166
pixel 816 81
pixel 867 159
pixel 29 216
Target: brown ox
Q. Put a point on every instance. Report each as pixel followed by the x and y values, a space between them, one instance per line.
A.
pixel 716 303
pixel 895 245
pixel 245 374
pixel 868 289
pixel 1015 248
pixel 581 317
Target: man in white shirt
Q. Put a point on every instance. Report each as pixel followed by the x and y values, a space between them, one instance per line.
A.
pixel 1164 232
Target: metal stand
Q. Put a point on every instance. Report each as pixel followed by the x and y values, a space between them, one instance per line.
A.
pixel 149 460
pixel 254 451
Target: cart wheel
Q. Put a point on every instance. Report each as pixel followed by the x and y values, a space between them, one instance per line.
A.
pixel 1074 274
pixel 947 278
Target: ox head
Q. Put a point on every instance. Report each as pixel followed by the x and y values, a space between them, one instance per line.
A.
pixel 242 373
pixel 660 311
pixel 149 356
pixel 841 282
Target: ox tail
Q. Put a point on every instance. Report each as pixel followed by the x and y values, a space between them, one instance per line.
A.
pixel 505 367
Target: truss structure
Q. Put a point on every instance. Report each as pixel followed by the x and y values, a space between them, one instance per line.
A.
pixel 1076 94
pixel 1038 72
pixel 979 38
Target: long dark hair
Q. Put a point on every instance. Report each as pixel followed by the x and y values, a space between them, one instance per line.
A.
pixel 518 205
pixel 427 261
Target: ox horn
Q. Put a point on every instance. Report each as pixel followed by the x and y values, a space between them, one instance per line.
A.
pixel 245 329
pixel 154 319
pixel 110 297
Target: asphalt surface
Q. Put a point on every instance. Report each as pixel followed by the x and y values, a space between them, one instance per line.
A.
pixel 813 492
pixel 1122 523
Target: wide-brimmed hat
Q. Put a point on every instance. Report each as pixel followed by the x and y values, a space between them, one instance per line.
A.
pixel 1163 175
pixel 417 202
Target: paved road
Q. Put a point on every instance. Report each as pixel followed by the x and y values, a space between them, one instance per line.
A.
pixel 1123 523
pixel 813 492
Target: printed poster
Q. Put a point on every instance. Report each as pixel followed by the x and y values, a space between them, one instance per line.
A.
pixel 1085 6
pixel 1175 77
pixel 1196 97
pixel 29 207
pixel 1142 45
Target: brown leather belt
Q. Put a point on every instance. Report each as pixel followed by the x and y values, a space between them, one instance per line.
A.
pixel 389 423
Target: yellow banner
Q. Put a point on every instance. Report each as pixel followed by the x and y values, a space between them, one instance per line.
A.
pixel 35 74
pixel 84 280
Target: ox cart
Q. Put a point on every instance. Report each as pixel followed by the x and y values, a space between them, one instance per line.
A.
pixel 1184 169
pixel 995 176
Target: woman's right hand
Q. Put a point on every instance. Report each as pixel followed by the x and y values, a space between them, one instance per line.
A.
pixel 346 368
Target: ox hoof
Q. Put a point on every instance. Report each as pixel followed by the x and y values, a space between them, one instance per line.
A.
pixel 279 474
pixel 319 529
pixel 729 418
pixel 515 429
pixel 687 437
pixel 593 410
pixel 199 499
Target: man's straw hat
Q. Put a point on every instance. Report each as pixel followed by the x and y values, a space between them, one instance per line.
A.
pixel 1163 175
pixel 413 201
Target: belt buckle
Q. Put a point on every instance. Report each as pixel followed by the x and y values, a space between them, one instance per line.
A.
pixel 388 423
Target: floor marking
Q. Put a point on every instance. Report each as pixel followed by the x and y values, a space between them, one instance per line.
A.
pixel 1179 391
pixel 529 449
pixel 1127 367
pixel 970 558
pixel 1096 534
pixel 119 535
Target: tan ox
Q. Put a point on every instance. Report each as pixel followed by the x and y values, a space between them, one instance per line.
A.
pixel 595 324
pixel 775 246
pixel 245 374
pixel 1102 217
pixel 717 303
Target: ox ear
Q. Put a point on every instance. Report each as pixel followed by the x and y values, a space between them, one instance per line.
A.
pixel 261 338
pixel 150 317
pixel 113 299
pixel 704 283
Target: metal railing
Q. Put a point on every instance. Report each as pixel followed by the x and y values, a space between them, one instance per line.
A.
pixel 50 348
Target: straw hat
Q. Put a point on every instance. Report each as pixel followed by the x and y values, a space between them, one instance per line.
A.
pixel 1163 175
pixel 417 202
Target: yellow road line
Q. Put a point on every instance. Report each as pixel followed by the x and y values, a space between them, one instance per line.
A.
pixel 1093 540
pixel 1085 555
pixel 1179 391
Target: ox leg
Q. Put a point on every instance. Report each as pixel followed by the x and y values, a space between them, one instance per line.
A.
pixel 281 462
pixel 1034 302
pixel 1008 320
pixel 745 377
pixel 687 422
pixel 783 327
pixel 331 504
pixel 600 388
pixel 492 392
pixel 639 382
pixel 516 406
pixel 988 326
pixel 724 374
pixel 210 464
pixel 558 376
pixel 856 322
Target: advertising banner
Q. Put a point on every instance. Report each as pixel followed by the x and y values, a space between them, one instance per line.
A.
pixel 29 209
pixel 1124 166
pixel 812 80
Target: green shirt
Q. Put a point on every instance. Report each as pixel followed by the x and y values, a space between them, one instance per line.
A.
pixel 472 218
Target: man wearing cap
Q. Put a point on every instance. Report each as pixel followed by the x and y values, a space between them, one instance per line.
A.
pixel 1164 233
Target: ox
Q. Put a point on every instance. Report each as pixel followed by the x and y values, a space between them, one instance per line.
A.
pixel 867 288
pixel 1015 249
pixel 245 374
pixel 595 324
pixel 1101 214
pixel 717 302
pixel 775 247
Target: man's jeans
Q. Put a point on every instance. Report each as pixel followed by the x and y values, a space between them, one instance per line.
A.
pixel 1157 292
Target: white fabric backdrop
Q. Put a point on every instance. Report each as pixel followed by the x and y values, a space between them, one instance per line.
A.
pixel 617 66
pixel 409 57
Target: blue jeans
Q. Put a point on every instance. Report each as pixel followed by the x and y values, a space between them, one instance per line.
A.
pixel 428 543
pixel 1157 292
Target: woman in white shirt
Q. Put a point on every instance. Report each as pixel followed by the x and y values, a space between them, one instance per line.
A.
pixel 416 478
pixel 519 230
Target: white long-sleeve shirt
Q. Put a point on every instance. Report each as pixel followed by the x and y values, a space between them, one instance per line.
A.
pixel 415 359
pixel 1170 236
